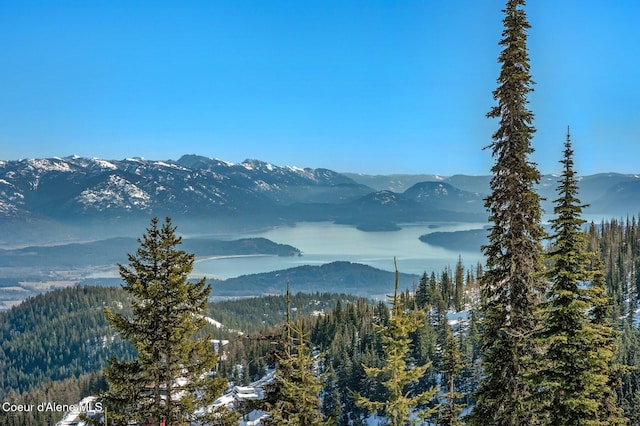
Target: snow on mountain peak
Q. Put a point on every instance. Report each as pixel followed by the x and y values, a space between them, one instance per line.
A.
pixel 49 165
pixel 251 164
pixel 115 192
pixel 103 163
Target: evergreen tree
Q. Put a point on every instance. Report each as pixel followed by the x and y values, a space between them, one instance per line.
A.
pixel 573 376
pixel 170 380
pixel 470 375
pixel 446 288
pixel 511 286
pixel 452 365
pixel 606 346
pixel 458 300
pixel 295 393
pixel 331 401
pixel 423 293
pixel 402 404
pixel 629 354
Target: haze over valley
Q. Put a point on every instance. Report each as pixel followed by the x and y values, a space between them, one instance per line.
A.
pixel 72 219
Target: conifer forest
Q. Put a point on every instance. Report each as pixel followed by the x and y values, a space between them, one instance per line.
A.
pixel 544 331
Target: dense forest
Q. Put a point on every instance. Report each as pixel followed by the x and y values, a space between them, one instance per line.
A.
pixel 55 345
pixel 58 335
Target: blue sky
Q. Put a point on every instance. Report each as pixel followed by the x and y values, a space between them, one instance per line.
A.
pixel 365 85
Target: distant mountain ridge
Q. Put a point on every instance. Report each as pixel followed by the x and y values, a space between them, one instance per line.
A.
pixel 56 187
pixel 64 198
pixel 612 194
pixel 340 276
pixel 57 198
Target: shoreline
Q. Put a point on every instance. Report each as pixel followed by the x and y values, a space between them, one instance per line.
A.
pixel 232 256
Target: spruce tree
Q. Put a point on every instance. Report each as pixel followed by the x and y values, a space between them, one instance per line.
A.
pixel 331 400
pixel 452 365
pixel 423 295
pixel 402 405
pixel 458 300
pixel 606 344
pixel 294 396
pixel 171 379
pixel 574 376
pixel 511 286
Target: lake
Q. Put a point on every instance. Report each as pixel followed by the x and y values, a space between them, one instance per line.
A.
pixel 323 242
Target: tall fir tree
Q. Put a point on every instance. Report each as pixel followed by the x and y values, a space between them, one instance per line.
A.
pixel 331 400
pixel 171 378
pixel 570 378
pixel 606 344
pixel 451 366
pixel 294 396
pixel 458 297
pixel 402 404
pixel 511 286
pixel 422 292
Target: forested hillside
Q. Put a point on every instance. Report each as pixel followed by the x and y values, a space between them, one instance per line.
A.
pixel 618 242
pixel 58 335
pixel 348 277
pixel 55 345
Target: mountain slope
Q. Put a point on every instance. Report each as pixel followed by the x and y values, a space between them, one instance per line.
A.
pixel 609 194
pixel 114 197
pixel 346 277
pixel 64 333
pixel 30 270
pixel 62 199
pixel 622 196
pixel 444 196
pixel 58 335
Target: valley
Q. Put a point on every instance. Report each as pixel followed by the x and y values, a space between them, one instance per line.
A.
pixel 72 220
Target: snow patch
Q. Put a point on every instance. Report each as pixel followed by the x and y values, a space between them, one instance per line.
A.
pixel 115 192
pixel 263 185
pixel 104 164
pixel 46 165
pixel 135 159
pixel 169 165
pixel 213 322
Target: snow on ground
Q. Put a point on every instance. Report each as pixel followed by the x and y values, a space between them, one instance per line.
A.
pixel 88 406
pixel 218 324
pixel 213 322
pixel 458 318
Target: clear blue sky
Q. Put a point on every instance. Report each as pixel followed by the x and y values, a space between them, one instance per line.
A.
pixel 364 85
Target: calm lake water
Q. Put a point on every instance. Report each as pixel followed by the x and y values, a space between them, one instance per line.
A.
pixel 327 242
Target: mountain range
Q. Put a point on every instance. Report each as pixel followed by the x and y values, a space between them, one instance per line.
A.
pixel 52 199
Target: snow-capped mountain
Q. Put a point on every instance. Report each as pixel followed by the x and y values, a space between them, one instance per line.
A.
pixel 41 197
pixel 76 197
pixel 65 188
